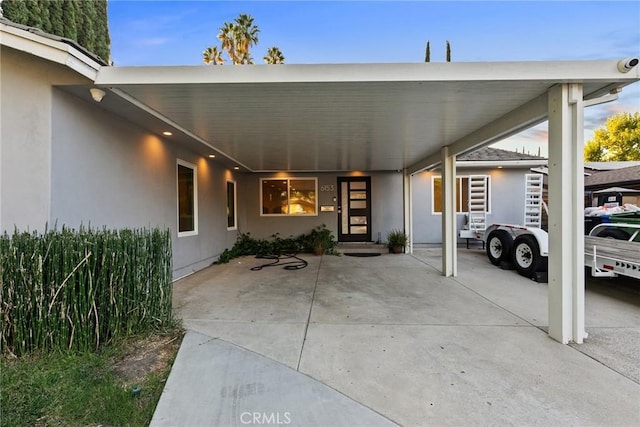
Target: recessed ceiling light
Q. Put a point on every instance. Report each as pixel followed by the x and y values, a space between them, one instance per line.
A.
pixel 167 133
pixel 212 156
pixel 236 167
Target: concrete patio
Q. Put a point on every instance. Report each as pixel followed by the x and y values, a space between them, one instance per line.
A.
pixel 392 335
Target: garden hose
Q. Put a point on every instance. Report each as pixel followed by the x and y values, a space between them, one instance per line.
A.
pixel 296 264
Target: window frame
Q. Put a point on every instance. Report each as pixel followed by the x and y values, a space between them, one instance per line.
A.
pixel 194 169
pixel 288 179
pixel 235 205
pixel 459 180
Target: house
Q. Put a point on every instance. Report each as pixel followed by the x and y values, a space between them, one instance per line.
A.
pixel 210 151
pixel 504 173
pixel 625 179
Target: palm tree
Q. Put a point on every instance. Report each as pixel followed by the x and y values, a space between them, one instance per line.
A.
pixel 228 40
pixel 212 56
pixel 274 56
pixel 236 39
pixel 245 35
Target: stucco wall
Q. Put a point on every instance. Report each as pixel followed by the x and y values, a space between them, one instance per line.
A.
pixel 506 201
pixel 386 206
pixel 25 135
pixel 107 172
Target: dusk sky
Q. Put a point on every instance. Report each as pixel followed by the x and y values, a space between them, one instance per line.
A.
pixel 176 33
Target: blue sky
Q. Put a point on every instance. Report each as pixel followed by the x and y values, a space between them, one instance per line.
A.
pixel 176 32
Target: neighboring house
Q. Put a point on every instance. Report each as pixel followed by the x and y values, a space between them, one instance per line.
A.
pixel 619 177
pixel 505 177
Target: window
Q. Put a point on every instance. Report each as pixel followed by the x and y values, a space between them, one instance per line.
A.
pixel 231 206
pixel 187 199
pixel 462 194
pixel 289 196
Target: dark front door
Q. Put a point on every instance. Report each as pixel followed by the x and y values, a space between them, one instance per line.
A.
pixel 354 209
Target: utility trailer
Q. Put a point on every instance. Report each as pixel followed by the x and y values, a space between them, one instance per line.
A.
pixel 613 249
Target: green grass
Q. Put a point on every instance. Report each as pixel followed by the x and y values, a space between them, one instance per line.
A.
pixel 83 389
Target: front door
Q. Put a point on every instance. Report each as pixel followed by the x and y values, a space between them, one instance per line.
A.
pixel 354 209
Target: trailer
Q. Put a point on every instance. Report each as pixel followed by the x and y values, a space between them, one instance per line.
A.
pixel 611 249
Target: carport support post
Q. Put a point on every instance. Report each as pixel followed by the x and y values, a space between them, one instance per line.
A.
pixel 566 214
pixel 408 220
pixel 449 238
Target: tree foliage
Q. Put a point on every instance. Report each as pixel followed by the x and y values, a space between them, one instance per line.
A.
pixel 82 21
pixel 236 40
pixel 618 140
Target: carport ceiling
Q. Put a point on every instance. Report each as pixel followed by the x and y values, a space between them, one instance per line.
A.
pixel 343 117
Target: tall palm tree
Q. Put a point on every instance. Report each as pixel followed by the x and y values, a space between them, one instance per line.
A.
pixel 245 35
pixel 228 40
pixel 236 39
pixel 274 56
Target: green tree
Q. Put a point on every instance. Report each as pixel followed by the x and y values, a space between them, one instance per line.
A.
pixel 82 21
pixel 618 140
pixel 274 56
pixel 16 11
pixel 236 40
pixel 427 53
pixel 448 51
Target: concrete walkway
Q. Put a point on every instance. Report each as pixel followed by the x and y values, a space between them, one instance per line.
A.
pixel 393 339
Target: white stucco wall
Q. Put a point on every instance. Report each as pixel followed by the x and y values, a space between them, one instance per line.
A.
pixel 386 206
pixel 506 194
pixel 25 136
pixel 108 172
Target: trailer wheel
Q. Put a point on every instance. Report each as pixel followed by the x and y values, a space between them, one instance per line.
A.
pixel 526 255
pixel 614 233
pixel 499 245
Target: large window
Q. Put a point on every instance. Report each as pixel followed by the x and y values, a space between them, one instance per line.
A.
pixel 289 196
pixel 462 194
pixel 187 199
pixel 232 216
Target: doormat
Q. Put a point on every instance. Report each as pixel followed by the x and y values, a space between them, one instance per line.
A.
pixel 362 254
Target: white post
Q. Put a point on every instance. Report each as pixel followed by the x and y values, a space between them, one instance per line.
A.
pixel 408 203
pixel 566 214
pixel 449 238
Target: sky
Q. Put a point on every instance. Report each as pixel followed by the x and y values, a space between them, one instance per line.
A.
pixel 312 32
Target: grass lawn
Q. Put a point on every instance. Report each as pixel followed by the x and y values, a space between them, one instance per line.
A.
pixel 89 388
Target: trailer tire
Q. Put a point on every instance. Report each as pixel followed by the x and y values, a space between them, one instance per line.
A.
pixel 499 245
pixel 526 255
pixel 614 233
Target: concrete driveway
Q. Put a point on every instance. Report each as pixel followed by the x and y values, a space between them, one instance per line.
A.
pixel 392 334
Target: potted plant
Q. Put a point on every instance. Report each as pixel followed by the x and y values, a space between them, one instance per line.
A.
pixel 396 241
pixel 321 240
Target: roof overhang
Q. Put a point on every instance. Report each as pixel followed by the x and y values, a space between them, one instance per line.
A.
pixel 329 117
pixel 342 117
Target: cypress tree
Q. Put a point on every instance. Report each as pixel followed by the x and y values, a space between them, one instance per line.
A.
pixel 85 21
pixel 69 9
pixel 101 29
pixel 46 20
pixel 34 13
pixel 55 15
pixel 427 54
pixel 16 11
pixel 448 51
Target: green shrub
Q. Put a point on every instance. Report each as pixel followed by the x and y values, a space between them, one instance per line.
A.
pixel 75 290
pixel 247 245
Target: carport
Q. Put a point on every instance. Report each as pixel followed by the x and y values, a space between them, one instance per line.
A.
pixel 387 117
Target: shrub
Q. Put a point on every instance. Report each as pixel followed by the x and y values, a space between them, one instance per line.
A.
pixel 75 290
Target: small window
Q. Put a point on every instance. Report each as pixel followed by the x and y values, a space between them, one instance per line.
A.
pixel 187 199
pixel 289 196
pixel 231 206
pixel 462 194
